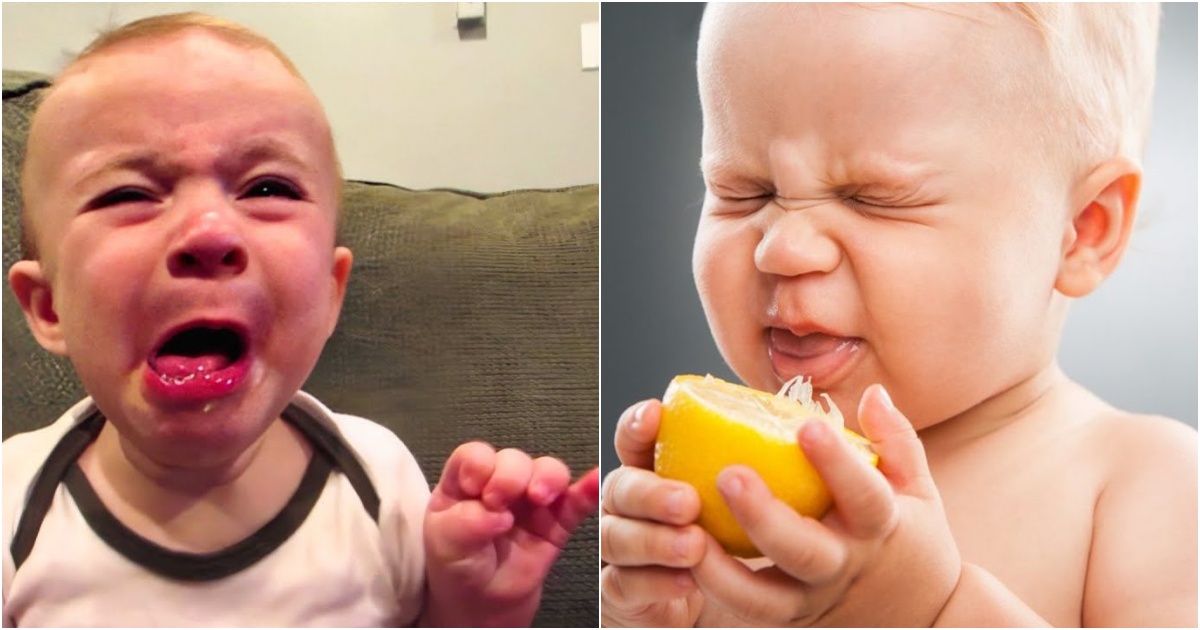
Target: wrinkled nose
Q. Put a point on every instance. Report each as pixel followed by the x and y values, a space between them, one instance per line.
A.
pixel 794 245
pixel 211 246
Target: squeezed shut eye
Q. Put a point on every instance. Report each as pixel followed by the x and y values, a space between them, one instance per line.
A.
pixel 271 188
pixel 117 197
pixel 196 342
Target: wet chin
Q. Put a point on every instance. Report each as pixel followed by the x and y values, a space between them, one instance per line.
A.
pixel 195 437
pixel 202 434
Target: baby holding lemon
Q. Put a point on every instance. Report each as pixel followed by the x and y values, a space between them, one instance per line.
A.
pixel 905 220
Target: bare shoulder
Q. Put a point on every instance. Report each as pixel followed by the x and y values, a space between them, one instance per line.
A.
pixel 1142 566
pixel 1134 445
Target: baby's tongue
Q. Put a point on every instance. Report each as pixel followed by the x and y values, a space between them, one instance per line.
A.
pixel 810 345
pixel 178 366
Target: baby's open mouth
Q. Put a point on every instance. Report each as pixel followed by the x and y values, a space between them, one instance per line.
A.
pixel 195 351
pixel 198 363
pixel 817 355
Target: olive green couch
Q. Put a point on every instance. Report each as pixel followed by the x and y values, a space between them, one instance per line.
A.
pixel 468 316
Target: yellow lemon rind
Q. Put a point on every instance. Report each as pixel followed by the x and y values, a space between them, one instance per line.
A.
pixel 697 439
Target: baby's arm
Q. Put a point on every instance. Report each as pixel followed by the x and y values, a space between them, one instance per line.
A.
pixel 647 536
pixel 1142 565
pixel 495 524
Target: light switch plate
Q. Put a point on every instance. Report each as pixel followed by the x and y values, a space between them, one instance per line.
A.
pixel 472 11
pixel 589 45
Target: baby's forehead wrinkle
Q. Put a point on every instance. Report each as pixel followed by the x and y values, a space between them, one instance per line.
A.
pixel 970 11
pixel 237 159
pixel 724 171
pixel 271 149
pixel 791 166
pixel 878 166
pixel 94 164
pixel 715 165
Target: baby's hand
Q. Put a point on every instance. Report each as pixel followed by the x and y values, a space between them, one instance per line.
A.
pixel 494 526
pixel 647 536
pixel 883 556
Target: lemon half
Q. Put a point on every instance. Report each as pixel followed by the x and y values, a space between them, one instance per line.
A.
pixel 708 424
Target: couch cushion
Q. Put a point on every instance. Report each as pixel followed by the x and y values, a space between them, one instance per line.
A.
pixel 473 317
pixel 37 387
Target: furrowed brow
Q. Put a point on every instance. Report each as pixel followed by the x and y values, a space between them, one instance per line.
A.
pixel 713 165
pixel 882 169
pixel 720 168
pixel 139 161
pixel 270 150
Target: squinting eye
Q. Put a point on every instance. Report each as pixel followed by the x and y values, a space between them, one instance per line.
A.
pixel 747 198
pixel 118 197
pixel 271 188
pixel 883 204
pixel 866 202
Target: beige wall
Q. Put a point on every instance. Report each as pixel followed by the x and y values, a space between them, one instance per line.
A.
pixel 410 103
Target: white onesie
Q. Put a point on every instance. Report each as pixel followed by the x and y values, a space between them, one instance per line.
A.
pixel 346 550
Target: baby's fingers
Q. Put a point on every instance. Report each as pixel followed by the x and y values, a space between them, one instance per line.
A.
pixel 509 480
pixel 627 589
pixel 634 543
pixel 466 473
pixel 766 598
pixel 801 547
pixel 548 479
pixel 901 455
pixel 636 432
pixel 462 529
pixel 582 499
pixel 863 501
pixel 641 494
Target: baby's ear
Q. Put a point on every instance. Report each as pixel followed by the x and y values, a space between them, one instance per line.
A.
pixel 342 261
pixel 1101 223
pixel 33 291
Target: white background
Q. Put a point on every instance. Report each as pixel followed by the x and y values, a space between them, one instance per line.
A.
pixel 410 102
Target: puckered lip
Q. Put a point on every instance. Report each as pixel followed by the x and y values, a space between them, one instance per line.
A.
pixel 803 326
pixel 806 329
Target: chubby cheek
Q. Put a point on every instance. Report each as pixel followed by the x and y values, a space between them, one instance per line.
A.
pixel 923 331
pixel 302 295
pixel 731 290
pixel 953 321
pixel 96 294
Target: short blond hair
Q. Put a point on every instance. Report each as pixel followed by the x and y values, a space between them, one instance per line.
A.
pixel 1092 99
pixel 161 26
pixel 1102 66
pixel 165 25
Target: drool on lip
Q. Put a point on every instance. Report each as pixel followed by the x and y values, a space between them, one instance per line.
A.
pixel 197 364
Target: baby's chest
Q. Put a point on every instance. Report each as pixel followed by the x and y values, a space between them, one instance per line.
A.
pixel 1031 527
pixel 333 570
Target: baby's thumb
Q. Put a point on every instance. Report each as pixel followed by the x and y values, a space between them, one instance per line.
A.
pixel 901 454
pixel 637 431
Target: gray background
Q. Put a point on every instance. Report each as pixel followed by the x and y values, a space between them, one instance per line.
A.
pixel 1133 341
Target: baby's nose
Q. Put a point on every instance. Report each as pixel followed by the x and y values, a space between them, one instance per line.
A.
pixel 793 245
pixel 211 247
